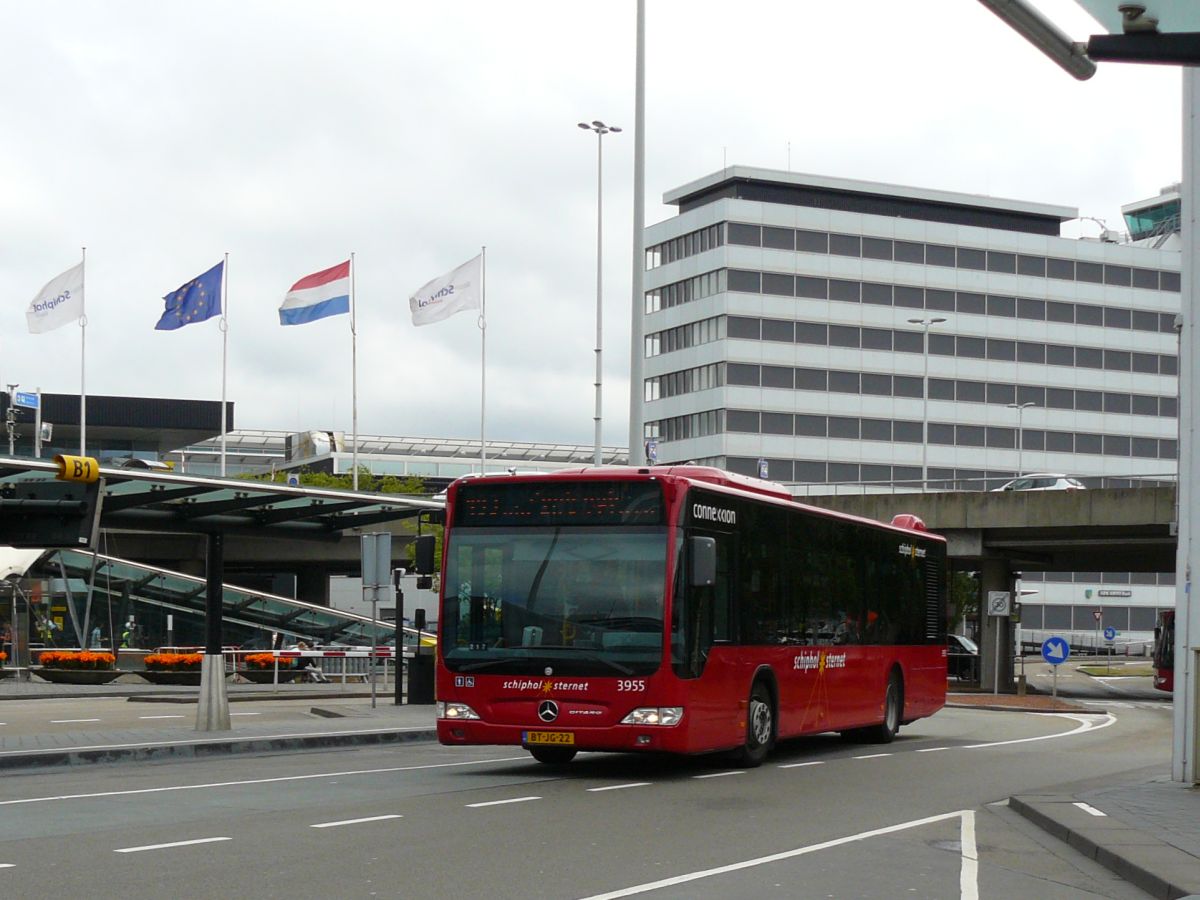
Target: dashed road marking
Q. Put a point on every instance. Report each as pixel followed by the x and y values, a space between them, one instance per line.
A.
pixel 501 802
pixel 1091 810
pixel 619 787
pixel 69 721
pixel 356 821
pixel 720 774
pixel 799 765
pixel 871 756
pixel 211 840
pixel 162 717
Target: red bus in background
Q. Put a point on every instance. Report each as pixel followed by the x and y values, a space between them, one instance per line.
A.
pixel 681 609
pixel 1164 651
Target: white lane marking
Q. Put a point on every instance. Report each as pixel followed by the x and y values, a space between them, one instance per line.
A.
pixel 1090 810
pixel 619 787
pixel 246 714
pixel 282 778
pixel 7 865
pixel 211 840
pixel 501 802
pixel 356 821
pixel 1085 724
pixel 259 737
pixel 798 765
pixel 161 717
pixel 933 749
pixel 719 774
pixel 774 857
pixel 871 756
pixel 69 721
pixel 968 873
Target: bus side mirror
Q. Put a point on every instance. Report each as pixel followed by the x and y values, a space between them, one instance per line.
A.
pixel 702 552
pixel 423 548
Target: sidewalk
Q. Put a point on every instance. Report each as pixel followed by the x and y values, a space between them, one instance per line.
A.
pixel 301 717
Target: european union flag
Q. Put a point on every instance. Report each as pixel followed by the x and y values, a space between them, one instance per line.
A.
pixel 195 301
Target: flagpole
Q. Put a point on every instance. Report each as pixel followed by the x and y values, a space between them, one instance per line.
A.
pixel 224 349
pixel 482 360
pixel 82 359
pixel 353 378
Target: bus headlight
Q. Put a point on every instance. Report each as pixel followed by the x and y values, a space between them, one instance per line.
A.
pixel 455 711
pixel 654 715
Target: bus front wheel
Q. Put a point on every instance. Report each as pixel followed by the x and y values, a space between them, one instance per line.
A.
pixel 552 756
pixel 760 728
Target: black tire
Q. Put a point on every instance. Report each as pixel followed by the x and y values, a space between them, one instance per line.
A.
pixel 552 756
pixel 760 728
pixel 893 712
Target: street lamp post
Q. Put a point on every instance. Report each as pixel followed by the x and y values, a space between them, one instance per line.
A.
pixel 601 130
pixel 925 323
pixel 1020 408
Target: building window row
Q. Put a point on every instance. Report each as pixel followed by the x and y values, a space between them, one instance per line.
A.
pixel 856 337
pixel 1145 578
pixel 962 302
pixel 1056 617
pixel 747 421
pixel 961 390
pixel 693 334
pixel 924 254
pixel 685 291
pixel 693 425
pixel 686 245
pixel 687 381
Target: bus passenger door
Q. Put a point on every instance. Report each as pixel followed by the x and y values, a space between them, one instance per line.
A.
pixel 702 629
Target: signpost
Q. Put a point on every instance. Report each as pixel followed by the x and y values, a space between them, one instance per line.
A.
pixel 376 578
pixel 1055 650
pixel 999 604
pixel 1110 635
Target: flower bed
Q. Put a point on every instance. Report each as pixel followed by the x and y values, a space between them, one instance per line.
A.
pixel 84 660
pixel 267 661
pixel 173 662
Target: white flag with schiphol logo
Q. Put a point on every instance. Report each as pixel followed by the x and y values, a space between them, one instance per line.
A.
pixel 59 302
pixel 452 293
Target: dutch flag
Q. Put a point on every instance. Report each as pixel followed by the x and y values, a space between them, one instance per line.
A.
pixel 316 296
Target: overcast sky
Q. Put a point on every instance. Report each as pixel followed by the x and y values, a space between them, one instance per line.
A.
pixel 162 135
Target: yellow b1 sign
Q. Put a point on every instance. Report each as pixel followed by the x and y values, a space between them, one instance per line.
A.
pixel 77 468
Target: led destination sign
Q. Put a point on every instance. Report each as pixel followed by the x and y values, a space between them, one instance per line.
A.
pixel 482 504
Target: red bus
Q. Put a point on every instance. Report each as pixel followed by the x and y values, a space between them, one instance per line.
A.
pixel 1164 651
pixel 680 609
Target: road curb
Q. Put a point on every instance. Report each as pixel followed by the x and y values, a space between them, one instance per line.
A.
pixel 207 749
pixel 1027 709
pixel 1158 868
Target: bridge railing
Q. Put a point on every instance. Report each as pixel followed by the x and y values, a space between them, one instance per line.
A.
pixel 985 482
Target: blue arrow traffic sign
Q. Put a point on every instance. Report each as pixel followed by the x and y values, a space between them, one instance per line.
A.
pixel 1055 650
pixel 23 398
pixel 1110 633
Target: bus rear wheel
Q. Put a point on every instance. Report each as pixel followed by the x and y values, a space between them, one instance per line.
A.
pixel 893 709
pixel 760 728
pixel 552 756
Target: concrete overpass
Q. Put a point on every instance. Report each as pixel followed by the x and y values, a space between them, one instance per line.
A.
pixel 1103 530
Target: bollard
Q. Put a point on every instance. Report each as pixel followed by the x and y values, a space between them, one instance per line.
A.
pixel 1020 685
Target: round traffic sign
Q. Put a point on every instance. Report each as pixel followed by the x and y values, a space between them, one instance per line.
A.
pixel 1055 650
pixel 1110 633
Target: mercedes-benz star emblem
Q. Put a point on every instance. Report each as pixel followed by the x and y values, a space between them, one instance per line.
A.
pixel 547 710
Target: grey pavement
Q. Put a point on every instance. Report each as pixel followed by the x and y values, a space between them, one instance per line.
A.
pixel 264 719
pixel 1144 827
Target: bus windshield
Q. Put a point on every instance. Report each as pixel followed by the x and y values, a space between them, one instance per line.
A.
pixel 580 601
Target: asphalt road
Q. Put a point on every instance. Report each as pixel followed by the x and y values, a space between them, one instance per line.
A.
pixel 922 817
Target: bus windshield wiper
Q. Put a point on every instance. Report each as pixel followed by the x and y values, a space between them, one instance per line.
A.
pixel 590 657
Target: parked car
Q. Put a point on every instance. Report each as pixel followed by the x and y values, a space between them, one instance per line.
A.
pixel 1043 481
pixel 962 658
